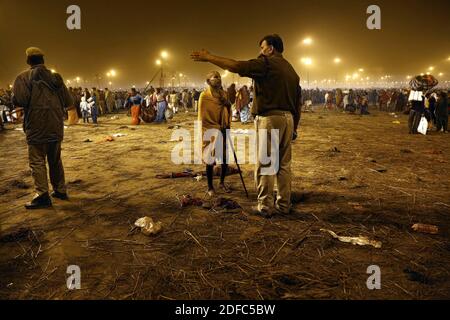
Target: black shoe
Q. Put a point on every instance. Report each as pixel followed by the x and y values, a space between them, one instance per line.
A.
pixel 40 202
pixel 60 196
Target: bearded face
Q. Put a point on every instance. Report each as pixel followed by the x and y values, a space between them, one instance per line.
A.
pixel 214 80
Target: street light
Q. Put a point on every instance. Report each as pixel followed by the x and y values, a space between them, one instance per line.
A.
pixel 164 56
pixel 337 60
pixel 361 70
pixel 430 68
pixel 307 41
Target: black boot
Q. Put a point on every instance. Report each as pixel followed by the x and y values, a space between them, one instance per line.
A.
pixel 40 202
pixel 60 196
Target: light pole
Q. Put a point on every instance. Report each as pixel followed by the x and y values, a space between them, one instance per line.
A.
pixel 336 61
pixel 307 62
pixel 160 62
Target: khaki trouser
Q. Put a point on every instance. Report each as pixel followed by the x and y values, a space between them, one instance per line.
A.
pixel 37 155
pixel 282 173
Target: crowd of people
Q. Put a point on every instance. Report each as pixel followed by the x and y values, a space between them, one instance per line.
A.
pixel 158 105
pixel 276 101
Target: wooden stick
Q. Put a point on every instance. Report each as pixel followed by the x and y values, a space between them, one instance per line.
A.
pixel 281 248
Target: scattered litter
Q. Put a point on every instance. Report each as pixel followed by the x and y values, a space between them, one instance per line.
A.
pixel 88 140
pixel 187 200
pixel 379 170
pixel 175 175
pixel 425 228
pixel 225 205
pixel 118 135
pixel 190 174
pixel 18 129
pixel 392 114
pixel 122 127
pixel 66 127
pixel 433 151
pixel 335 149
pixel 109 139
pixel 16 236
pixel 371 160
pixel 396 122
pixel 199 178
pixel 356 206
pixel 361 240
pixel 417 276
pixel 406 151
pixel 9 285
pixel 174 127
pixel 77 181
pixel 115 118
pixel 148 226
pixel 342 178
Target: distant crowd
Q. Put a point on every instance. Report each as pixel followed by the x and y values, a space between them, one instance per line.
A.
pixel 159 105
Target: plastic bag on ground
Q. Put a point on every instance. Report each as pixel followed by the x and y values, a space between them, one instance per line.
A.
pixel 148 226
pixel 361 240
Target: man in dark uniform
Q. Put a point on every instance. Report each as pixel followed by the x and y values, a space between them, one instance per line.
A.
pixel 277 105
pixel 43 96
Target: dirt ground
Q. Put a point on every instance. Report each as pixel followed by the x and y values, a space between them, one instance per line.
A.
pixel 353 175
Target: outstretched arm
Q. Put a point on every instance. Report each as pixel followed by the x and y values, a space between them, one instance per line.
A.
pixel 224 63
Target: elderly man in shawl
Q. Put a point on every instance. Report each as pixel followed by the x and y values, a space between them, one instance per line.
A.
pixel 214 114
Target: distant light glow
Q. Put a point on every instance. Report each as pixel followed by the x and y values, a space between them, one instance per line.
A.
pixel 164 54
pixel 307 61
pixel 307 41
pixel 337 60
pixel 158 62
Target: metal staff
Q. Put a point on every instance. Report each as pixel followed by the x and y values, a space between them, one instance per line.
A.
pixel 237 164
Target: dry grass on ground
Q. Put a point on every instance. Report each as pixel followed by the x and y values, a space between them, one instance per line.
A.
pixel 355 175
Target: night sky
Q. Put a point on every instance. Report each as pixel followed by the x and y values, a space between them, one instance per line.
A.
pixel 128 36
